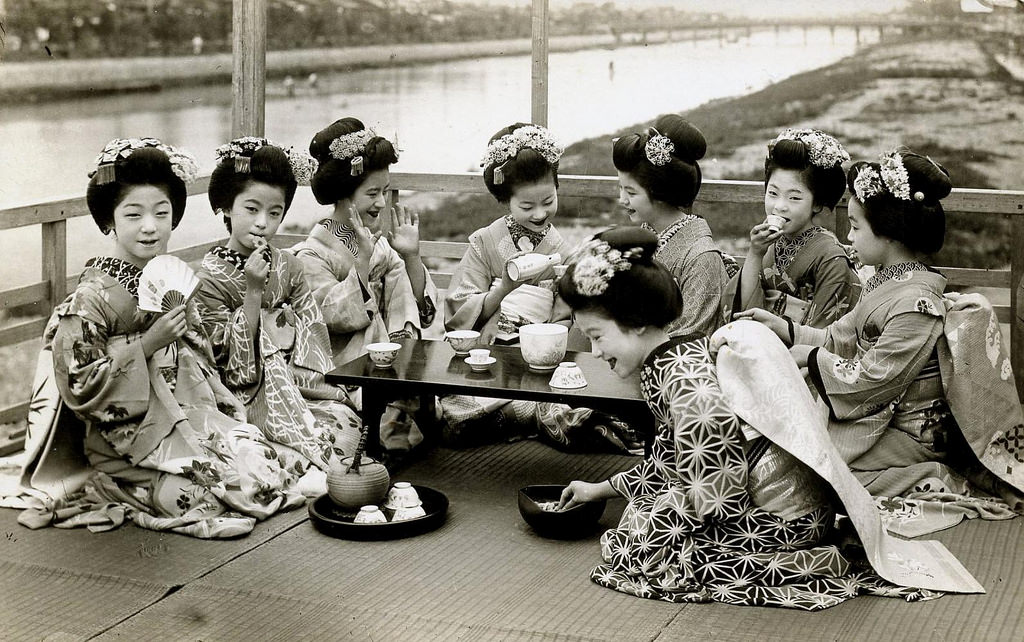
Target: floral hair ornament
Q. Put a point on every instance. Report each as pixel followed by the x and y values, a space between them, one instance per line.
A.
pixel 241 150
pixel 596 262
pixel 183 164
pixel 890 177
pixel 352 146
pixel 823 150
pixel 658 149
pixel 507 147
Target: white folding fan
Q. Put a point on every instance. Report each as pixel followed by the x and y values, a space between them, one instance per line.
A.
pixel 165 282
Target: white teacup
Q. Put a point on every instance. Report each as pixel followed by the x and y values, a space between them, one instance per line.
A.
pixel 383 354
pixel 462 340
pixel 479 355
pixel 370 514
pixel 403 514
pixel 543 344
pixel 402 495
pixel 775 222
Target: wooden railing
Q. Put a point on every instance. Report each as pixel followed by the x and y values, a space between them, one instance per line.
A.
pixel 55 283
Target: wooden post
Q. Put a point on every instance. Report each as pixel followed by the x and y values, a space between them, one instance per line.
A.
pixel 539 78
pixel 249 67
pixel 1017 303
pixel 55 260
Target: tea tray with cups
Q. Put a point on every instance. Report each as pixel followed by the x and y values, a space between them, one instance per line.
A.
pixel 331 519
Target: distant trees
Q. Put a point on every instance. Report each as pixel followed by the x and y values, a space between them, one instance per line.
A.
pixel 114 28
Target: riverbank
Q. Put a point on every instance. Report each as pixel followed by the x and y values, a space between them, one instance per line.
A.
pixel 33 81
pixel 950 99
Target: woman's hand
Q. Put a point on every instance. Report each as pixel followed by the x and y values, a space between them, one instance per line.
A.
pixel 404 235
pixel 507 284
pixel 165 331
pixel 257 268
pixel 365 239
pixel 776 324
pixel 580 492
pixel 761 238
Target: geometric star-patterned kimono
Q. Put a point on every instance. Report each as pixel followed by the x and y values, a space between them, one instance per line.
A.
pixel 809 279
pixel 167 455
pixel 886 372
pixel 278 372
pixel 713 516
pixel 688 250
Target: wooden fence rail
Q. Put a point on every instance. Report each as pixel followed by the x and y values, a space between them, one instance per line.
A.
pixel 55 282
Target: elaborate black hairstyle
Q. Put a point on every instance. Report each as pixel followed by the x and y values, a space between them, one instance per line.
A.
pixel 529 164
pixel 143 166
pixel 335 180
pixel 901 195
pixel 673 176
pixel 615 273
pixel 257 161
pixel 817 157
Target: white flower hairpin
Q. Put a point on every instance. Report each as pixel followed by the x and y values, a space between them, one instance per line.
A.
pixel 352 146
pixel 658 149
pixel 507 147
pixel 596 262
pixel 823 150
pixel 891 177
pixel 241 150
pixel 183 164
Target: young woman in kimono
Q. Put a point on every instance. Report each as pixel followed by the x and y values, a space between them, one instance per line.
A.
pixel 883 367
pixel 716 512
pixel 521 172
pixel 367 276
pixel 268 334
pixel 798 269
pixel 166 452
pixel 659 178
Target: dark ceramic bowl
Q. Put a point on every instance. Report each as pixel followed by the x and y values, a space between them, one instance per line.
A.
pixel 574 523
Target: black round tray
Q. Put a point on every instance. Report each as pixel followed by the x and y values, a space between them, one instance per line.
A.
pixel 331 519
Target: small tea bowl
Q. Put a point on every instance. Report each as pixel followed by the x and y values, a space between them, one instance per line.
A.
pixel 383 355
pixel 568 375
pixel 462 340
pixel 775 222
pixel 402 495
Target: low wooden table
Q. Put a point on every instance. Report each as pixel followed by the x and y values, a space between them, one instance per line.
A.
pixel 429 367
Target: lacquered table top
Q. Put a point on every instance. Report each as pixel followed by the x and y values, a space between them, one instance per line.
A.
pixel 424 364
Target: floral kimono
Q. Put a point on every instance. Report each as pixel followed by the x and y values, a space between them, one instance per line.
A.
pixel 883 371
pixel 359 312
pixel 687 249
pixel 717 512
pixel 169 441
pixel 278 371
pixel 809 280
pixel 574 429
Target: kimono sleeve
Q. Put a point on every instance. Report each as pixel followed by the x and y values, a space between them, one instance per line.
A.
pixel 856 387
pixel 470 284
pixel 227 325
pixel 702 286
pixel 836 290
pixel 705 480
pixel 312 347
pixel 397 302
pixel 99 379
pixel 345 304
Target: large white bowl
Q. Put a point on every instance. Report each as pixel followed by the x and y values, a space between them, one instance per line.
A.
pixel 543 344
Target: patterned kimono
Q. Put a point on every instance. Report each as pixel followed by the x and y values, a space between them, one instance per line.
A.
pixel 809 280
pixel 170 442
pixel 569 428
pixel 489 249
pixel 687 249
pixel 278 371
pixel 883 370
pixel 359 312
pixel 717 512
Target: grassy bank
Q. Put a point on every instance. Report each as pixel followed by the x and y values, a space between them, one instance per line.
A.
pixel 949 100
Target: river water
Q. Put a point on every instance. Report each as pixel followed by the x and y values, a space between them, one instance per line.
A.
pixel 441 114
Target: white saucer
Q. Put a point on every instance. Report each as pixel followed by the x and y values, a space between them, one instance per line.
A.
pixel 480 366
